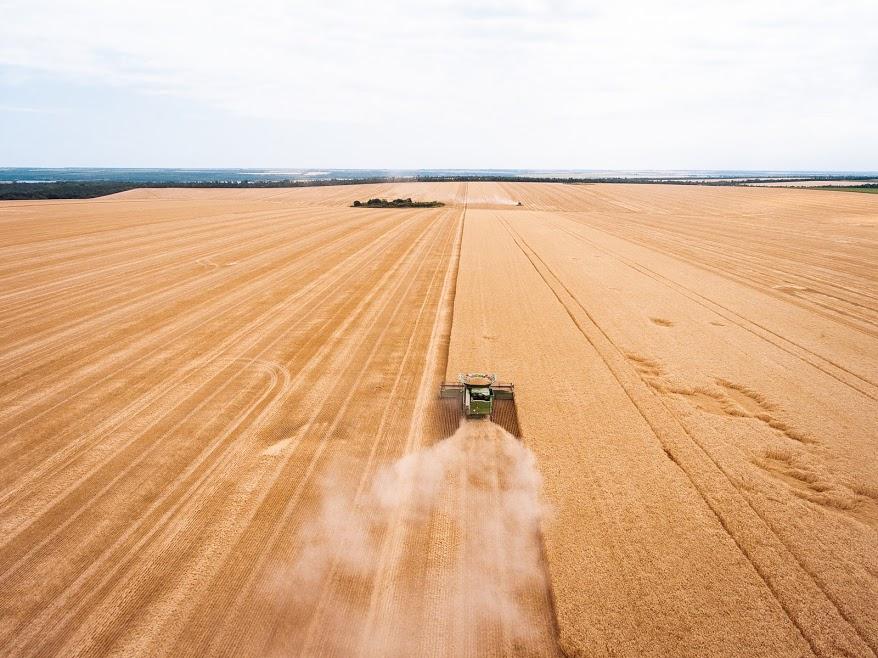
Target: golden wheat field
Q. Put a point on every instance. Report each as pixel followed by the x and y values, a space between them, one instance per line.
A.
pixel 221 432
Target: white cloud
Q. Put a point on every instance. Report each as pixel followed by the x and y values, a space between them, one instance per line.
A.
pixel 22 109
pixel 582 76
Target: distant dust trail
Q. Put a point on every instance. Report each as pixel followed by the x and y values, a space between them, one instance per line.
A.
pixel 481 481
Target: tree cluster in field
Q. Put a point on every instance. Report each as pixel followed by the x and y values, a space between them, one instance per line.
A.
pixel 397 203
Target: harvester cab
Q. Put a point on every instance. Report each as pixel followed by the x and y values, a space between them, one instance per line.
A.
pixel 477 392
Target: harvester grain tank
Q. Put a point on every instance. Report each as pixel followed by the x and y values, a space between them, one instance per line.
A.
pixel 477 392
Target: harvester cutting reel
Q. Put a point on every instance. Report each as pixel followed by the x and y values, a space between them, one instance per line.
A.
pixel 477 392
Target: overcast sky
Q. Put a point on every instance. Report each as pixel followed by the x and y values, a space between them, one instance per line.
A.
pixel 393 84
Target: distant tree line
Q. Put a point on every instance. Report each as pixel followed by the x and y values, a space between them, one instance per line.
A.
pixel 90 189
pixel 65 190
pixel 869 187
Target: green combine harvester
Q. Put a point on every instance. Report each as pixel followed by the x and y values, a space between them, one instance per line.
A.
pixel 477 392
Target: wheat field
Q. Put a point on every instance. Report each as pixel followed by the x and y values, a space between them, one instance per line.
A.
pixel 221 433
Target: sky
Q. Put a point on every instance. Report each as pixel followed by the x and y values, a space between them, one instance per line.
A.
pixel 535 84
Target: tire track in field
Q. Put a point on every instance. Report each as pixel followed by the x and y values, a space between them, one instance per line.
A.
pixel 245 328
pixel 433 363
pixel 206 316
pixel 791 347
pixel 236 338
pixel 193 368
pixel 84 233
pixel 167 264
pixel 285 508
pixel 719 254
pixel 79 263
pixel 129 237
pixel 254 285
pixel 258 255
pixel 325 347
pixel 392 546
pixel 139 306
pixel 181 235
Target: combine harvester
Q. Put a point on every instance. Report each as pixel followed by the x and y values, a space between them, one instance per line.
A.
pixel 482 396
